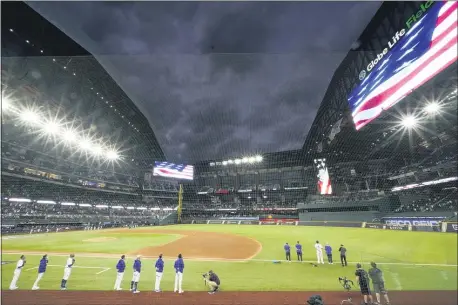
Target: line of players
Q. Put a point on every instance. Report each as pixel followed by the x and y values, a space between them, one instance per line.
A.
pixel 120 267
pixel 41 271
pixel 159 265
pixel 319 253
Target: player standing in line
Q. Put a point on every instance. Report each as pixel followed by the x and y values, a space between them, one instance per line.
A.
pixel 17 272
pixel 120 266
pixel 319 252
pixel 328 250
pixel 136 277
pixel 363 280
pixel 179 268
pixel 41 271
pixel 159 271
pixel 287 252
pixel 343 255
pixel 378 283
pixel 67 271
pixel 299 251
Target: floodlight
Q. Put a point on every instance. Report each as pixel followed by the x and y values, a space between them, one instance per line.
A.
pixel 51 128
pixel 6 103
pixel 244 160
pixel 97 150
pixel 224 162
pixel 85 144
pixel 258 158
pixel 409 121
pixel 432 108
pixel 237 161
pixel 70 135
pixel 112 155
pixel 29 116
pixel 251 159
pixel 230 161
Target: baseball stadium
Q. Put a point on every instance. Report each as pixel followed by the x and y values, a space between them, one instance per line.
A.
pixel 100 206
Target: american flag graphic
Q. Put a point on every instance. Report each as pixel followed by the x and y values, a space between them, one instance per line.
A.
pixel 171 170
pixel 324 182
pixel 427 48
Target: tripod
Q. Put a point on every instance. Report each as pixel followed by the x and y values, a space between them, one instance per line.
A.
pixel 346 284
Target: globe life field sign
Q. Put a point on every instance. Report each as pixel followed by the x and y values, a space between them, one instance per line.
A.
pixel 411 21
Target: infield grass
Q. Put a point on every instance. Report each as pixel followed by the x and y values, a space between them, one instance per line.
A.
pixel 413 260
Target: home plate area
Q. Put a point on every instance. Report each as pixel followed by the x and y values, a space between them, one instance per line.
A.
pixel 223 298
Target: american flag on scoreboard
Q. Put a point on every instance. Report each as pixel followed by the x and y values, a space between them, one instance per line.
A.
pixel 428 47
pixel 171 170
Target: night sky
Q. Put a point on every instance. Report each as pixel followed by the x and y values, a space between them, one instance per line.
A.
pixel 218 79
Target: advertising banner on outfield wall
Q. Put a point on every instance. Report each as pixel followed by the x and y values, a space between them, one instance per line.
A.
pixel 240 218
pixel 231 222
pixel 434 228
pixel 452 228
pixel 375 226
pixel 200 222
pixel 215 221
pixel 397 227
pixel 414 221
pixel 249 222
pixel 278 221
pixel 330 224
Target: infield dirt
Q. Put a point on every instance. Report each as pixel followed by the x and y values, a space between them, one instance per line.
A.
pixel 201 245
pixel 28 297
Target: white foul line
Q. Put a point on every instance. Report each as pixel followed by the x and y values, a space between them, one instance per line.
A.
pixel 106 269
pixel 31 268
pixel 227 260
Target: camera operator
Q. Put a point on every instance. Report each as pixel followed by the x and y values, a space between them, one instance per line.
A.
pixel 363 280
pixel 378 283
pixel 212 281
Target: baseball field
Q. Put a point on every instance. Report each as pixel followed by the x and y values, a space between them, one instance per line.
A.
pixel 419 267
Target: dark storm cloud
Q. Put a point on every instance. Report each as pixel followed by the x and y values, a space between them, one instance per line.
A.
pixel 218 79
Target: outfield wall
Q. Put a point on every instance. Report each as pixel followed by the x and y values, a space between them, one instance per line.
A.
pixel 412 225
pixel 356 216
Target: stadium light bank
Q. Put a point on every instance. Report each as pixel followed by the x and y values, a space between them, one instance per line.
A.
pixel 238 161
pixel 33 117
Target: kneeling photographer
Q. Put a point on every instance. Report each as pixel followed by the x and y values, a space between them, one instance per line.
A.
pixel 212 281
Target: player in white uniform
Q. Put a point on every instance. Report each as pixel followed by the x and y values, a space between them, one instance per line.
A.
pixel 319 252
pixel 17 272
pixel 67 271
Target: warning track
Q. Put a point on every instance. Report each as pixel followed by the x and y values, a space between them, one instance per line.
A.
pixel 28 297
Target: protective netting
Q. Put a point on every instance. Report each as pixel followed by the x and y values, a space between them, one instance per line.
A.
pixel 76 151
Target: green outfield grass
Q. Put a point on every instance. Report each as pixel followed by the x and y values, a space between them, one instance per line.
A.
pixel 410 260
pixel 83 241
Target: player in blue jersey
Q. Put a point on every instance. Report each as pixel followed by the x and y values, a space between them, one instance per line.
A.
pixel 179 268
pixel 299 251
pixel 136 276
pixel 120 267
pixel 287 249
pixel 41 271
pixel 159 271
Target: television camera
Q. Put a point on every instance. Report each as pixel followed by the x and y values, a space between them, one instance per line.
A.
pixel 347 286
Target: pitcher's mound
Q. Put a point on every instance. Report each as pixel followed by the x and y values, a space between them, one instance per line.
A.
pixel 99 239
